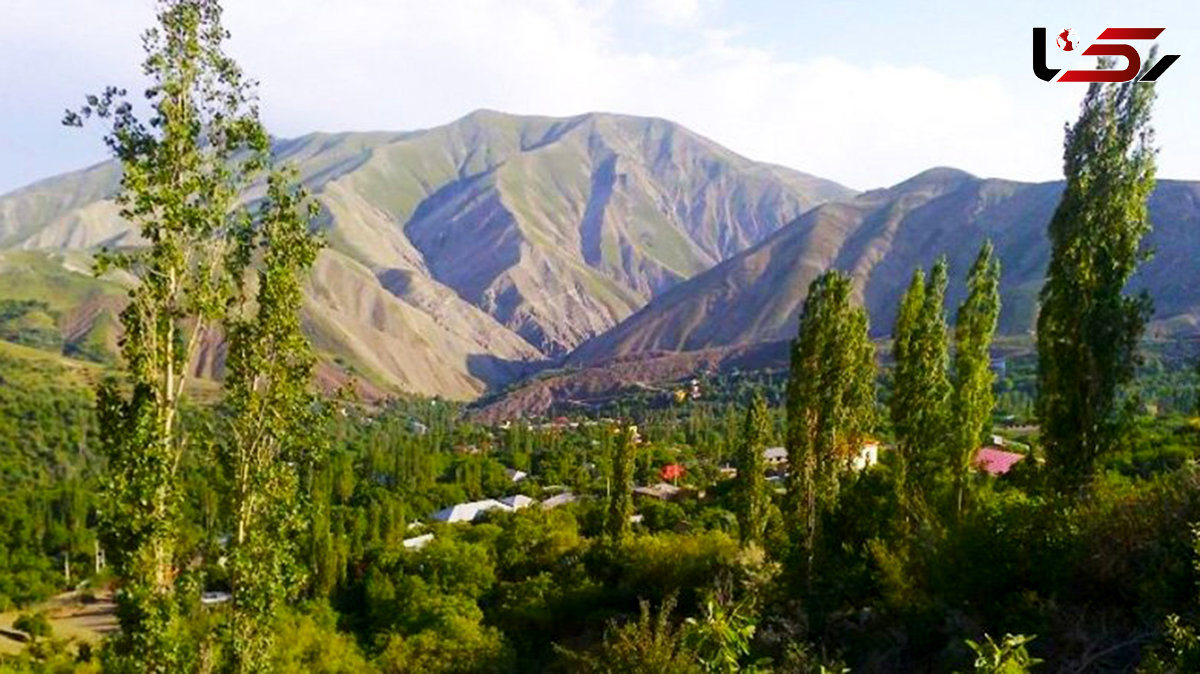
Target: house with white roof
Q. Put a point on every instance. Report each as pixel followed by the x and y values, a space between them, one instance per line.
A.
pixel 417 542
pixel 868 455
pixel 558 500
pixel 663 491
pixel 775 456
pixel 468 512
pixel 517 502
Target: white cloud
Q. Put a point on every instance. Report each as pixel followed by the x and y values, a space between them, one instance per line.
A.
pixel 403 64
pixel 672 12
pixel 406 64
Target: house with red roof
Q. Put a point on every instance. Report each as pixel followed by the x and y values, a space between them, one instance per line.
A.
pixel 995 460
pixel 672 472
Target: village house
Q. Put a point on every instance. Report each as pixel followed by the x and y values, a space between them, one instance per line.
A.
pixel 661 491
pixel 672 472
pixel 776 458
pixel 559 500
pixel 868 455
pixel 417 542
pixel 994 460
pixel 517 502
pixel 468 512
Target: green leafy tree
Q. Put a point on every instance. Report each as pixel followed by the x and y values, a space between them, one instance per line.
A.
pixel 1087 328
pixel 620 498
pixel 182 172
pixel 454 644
pixel 972 399
pixel 314 644
pixel 920 403
pixel 750 486
pixel 1180 650
pixel 275 421
pixel 830 401
pixel 904 332
pixel 721 638
pixel 1008 656
pixel 652 643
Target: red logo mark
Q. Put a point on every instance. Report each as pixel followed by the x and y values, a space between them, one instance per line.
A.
pixel 1133 59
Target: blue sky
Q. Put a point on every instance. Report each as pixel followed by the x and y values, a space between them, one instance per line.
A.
pixel 866 93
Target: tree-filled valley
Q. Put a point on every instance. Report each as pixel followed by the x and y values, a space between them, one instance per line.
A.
pixel 527 590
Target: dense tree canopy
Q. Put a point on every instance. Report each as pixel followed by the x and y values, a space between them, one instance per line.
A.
pixel 1088 329
pixel 830 401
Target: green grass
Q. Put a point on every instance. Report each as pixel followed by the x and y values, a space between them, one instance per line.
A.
pixel 42 290
pixel 35 369
pixel 41 276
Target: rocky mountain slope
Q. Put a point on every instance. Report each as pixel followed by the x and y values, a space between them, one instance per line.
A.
pixel 461 256
pixel 880 237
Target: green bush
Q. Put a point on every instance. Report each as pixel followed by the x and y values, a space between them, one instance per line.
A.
pixel 36 625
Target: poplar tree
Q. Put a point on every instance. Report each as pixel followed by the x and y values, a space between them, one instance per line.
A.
pixel 830 402
pixel 973 400
pixel 620 497
pixel 275 419
pixel 182 172
pixel 1088 329
pixel 920 403
pixel 904 334
pixel 750 486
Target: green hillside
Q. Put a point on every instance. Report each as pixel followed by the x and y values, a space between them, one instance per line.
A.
pixel 460 256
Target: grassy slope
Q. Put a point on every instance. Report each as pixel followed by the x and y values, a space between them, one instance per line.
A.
pixel 492 209
pixel 880 237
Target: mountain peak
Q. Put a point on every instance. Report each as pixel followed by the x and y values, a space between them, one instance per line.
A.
pixel 943 177
pixel 462 254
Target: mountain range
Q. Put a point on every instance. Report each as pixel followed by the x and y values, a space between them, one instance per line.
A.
pixel 464 257
pixel 880 237
pixel 461 256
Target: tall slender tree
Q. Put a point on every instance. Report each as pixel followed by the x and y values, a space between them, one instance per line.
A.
pixel 275 420
pixel 750 486
pixel 920 403
pixel 830 402
pixel 182 173
pixel 973 400
pixel 904 350
pixel 620 497
pixel 1088 329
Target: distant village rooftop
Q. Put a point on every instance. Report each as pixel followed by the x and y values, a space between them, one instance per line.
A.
pixel 662 491
pixel 468 512
pixel 996 461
